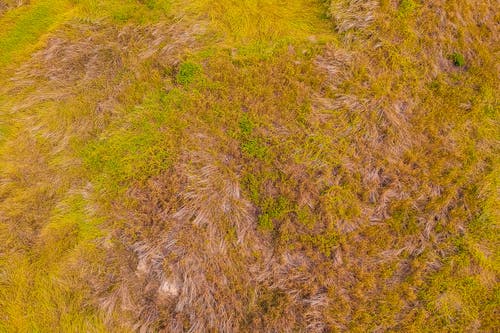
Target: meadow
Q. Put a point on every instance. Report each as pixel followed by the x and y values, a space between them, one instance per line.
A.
pixel 249 166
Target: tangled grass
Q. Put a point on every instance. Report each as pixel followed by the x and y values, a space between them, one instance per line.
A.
pixel 315 166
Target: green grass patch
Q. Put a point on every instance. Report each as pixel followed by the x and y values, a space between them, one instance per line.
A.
pixel 457 59
pixel 142 145
pixel 22 28
pixel 252 145
pixel 273 209
pixel 188 73
pixel 406 8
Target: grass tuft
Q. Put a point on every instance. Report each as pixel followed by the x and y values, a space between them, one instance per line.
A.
pixel 187 73
pixel 458 59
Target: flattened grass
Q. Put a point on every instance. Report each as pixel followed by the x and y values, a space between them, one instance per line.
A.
pixel 307 178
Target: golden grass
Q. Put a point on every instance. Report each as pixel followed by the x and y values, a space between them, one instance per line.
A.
pixel 253 165
pixel 250 21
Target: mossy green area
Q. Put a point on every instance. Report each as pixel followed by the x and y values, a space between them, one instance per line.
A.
pixel 252 165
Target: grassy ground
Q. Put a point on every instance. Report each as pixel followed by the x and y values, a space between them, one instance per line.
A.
pixel 249 166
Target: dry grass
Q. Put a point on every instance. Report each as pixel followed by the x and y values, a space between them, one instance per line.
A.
pixel 6 5
pixel 352 14
pixel 332 168
pixel 66 94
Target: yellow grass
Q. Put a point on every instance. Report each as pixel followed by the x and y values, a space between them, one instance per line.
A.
pixel 252 165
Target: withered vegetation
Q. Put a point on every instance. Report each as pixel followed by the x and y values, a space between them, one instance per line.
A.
pixel 320 166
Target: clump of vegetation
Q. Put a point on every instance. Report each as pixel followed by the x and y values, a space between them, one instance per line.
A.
pixel 406 7
pixel 458 59
pixel 176 166
pixel 187 73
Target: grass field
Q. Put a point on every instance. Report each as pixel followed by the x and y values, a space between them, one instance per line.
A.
pixel 250 165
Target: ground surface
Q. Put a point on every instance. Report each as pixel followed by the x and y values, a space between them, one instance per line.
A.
pixel 250 165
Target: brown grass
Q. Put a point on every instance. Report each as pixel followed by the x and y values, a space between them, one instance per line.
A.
pixel 348 184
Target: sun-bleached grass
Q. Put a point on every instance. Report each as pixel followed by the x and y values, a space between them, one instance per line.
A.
pixel 250 21
pixel 250 166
